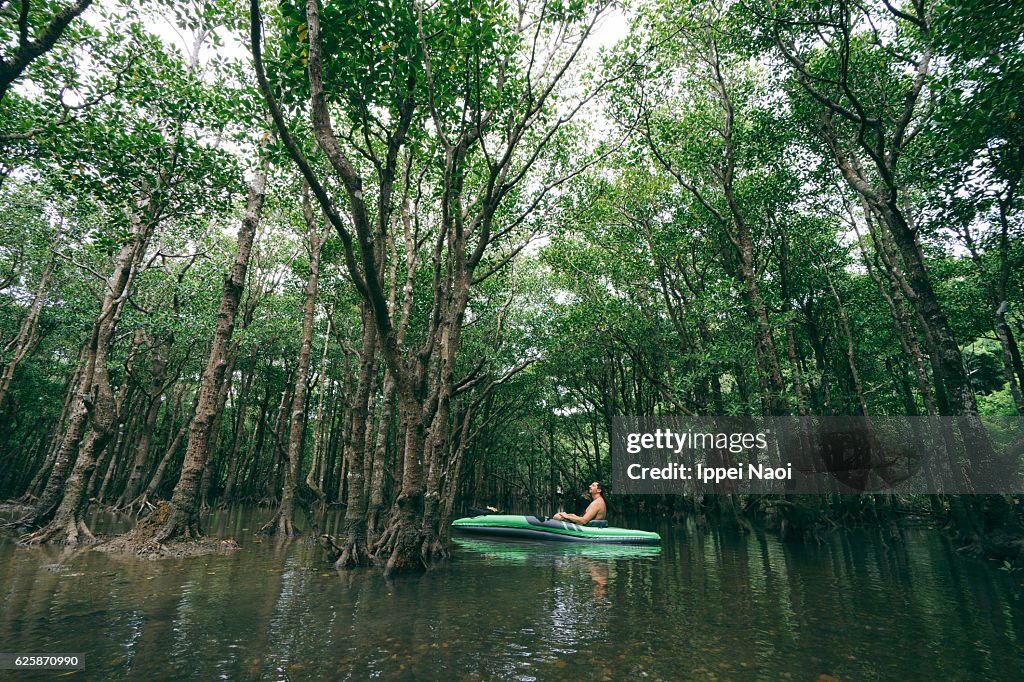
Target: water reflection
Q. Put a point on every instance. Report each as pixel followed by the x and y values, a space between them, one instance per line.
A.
pixel 599 574
pixel 702 606
pixel 518 551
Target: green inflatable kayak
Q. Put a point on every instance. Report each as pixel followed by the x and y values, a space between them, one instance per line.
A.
pixel 540 528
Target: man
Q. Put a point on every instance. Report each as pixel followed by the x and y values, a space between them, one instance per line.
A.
pixel 595 511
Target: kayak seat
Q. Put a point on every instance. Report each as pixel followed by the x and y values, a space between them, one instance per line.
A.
pixel 598 523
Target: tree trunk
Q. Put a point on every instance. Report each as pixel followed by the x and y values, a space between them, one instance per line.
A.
pixel 355 551
pixel 141 460
pixel 376 509
pixel 241 408
pixel 183 519
pixel 62 505
pixel 851 362
pixel 950 368
pixel 1013 366
pixel 20 345
pixel 400 547
pixel 787 314
pixel 172 447
pixel 901 319
pixel 214 434
pixel 35 486
pixel 283 523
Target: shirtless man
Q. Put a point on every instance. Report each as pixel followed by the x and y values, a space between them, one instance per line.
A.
pixel 596 510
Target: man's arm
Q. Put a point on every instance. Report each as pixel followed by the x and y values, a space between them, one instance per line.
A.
pixel 587 517
pixel 591 512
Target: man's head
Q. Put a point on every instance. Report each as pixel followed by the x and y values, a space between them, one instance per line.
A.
pixel 595 488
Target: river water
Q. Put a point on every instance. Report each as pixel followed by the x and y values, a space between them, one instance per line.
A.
pixel 703 606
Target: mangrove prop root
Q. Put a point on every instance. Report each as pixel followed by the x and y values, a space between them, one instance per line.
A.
pixel 280 525
pixel 354 554
pixel 60 531
pixel 38 518
pixel 329 546
pixel 139 505
pixel 404 551
pixel 162 524
pixel 434 550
